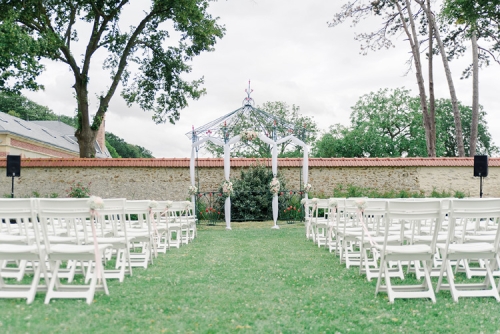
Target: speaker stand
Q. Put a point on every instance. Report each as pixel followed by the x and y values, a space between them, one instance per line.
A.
pixel 480 187
pixel 12 193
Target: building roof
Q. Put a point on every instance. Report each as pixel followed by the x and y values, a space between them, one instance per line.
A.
pixel 247 162
pixel 53 133
pixel 57 126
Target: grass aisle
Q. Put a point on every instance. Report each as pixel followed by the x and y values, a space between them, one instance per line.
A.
pixel 254 280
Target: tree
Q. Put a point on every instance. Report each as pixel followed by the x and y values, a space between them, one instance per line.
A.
pixel 388 124
pixel 50 30
pixel 302 127
pixel 24 108
pixel 401 16
pixel 124 149
pixel 397 17
pixel 473 20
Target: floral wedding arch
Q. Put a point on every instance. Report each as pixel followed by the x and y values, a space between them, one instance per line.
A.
pixel 216 133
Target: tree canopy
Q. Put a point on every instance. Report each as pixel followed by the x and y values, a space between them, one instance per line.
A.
pixel 302 127
pixel 388 123
pixel 147 57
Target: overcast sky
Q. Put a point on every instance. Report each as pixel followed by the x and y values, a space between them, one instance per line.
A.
pixel 289 53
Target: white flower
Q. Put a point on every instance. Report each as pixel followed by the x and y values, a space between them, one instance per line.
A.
pixel 227 188
pixel 192 190
pixel 153 204
pixel 168 204
pixel 307 187
pixel 248 135
pixel 274 186
pixel 303 201
pixel 96 202
pixel 360 203
pixel 332 202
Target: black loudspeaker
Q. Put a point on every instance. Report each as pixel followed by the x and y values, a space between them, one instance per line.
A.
pixel 481 165
pixel 14 165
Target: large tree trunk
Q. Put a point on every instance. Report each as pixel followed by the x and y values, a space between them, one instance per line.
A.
pixel 475 95
pixel 85 135
pixel 449 78
pixel 430 138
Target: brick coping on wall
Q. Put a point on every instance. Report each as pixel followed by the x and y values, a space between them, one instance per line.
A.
pixel 246 162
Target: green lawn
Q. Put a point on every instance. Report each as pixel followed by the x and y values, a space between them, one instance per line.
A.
pixel 252 280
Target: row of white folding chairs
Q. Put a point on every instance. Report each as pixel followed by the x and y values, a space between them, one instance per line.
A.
pixel 68 232
pixel 396 232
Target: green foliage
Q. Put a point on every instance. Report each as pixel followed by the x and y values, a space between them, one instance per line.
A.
pixel 461 18
pixel 443 194
pixel 112 150
pixel 289 121
pixel 252 199
pixel 79 190
pixel 126 150
pixel 210 208
pixel 388 123
pixel 290 210
pixel 351 190
pixel 19 106
pixel 52 32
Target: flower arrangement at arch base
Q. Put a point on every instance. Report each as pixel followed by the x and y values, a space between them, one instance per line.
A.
pixel 274 186
pixel 227 188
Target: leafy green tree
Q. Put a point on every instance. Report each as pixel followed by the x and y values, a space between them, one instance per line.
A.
pixel 479 22
pixel 389 124
pixel 32 30
pixel 124 149
pixel 112 150
pixel 302 127
pixel 22 107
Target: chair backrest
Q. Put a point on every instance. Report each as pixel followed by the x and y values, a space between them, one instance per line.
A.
pixel 141 209
pixel 112 216
pixel 18 217
pixel 425 210
pixel 72 214
pixel 475 211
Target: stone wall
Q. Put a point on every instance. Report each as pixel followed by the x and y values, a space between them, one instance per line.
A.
pixel 160 183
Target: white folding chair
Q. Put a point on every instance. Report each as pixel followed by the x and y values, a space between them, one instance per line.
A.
pixel 21 248
pixel 141 232
pixel 112 229
pixel 464 209
pixel 399 211
pixel 348 232
pixel 320 221
pixel 373 221
pixel 77 214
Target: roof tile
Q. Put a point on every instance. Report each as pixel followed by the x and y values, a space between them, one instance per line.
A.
pixel 246 162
